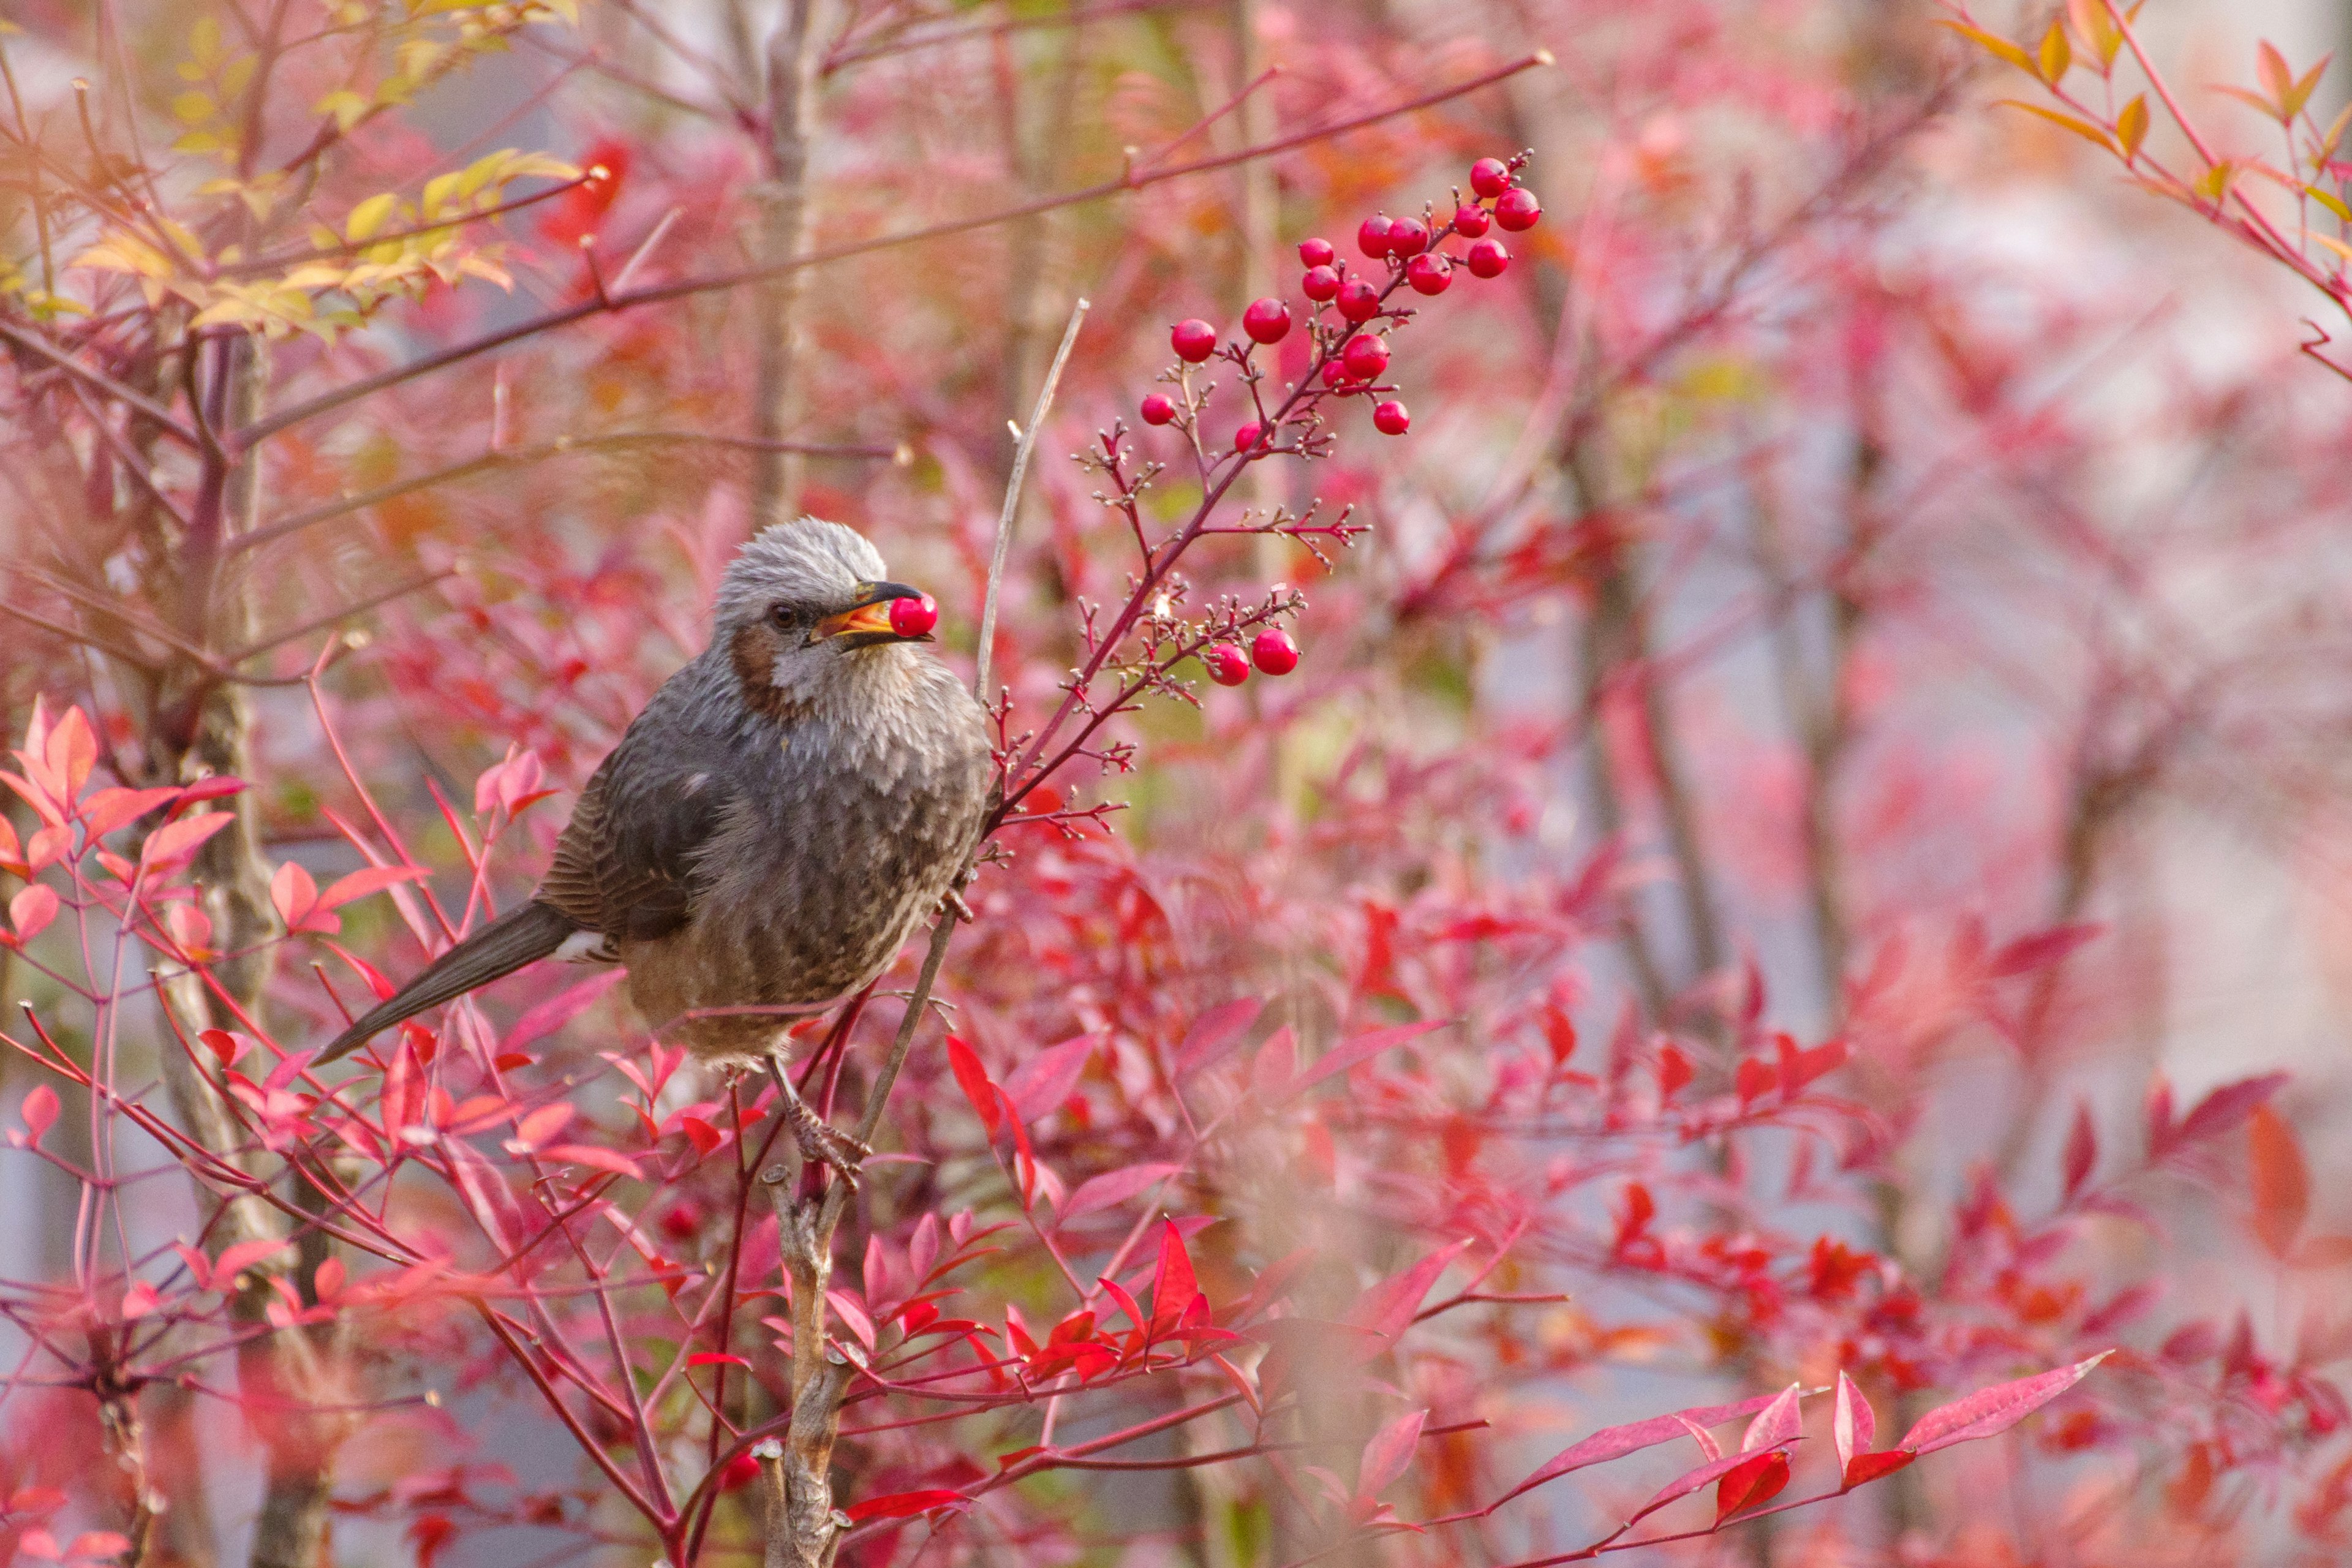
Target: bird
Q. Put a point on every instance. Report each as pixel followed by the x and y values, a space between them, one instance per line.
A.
pixel 772 827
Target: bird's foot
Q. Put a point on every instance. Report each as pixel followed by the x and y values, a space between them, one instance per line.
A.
pixel 820 1142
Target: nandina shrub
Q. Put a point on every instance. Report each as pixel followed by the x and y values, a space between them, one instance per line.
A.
pixel 1426 1027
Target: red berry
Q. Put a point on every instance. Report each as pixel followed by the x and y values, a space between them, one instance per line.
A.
pixel 914 617
pixel 1490 177
pixel 738 1472
pixel 1519 209
pixel 1226 666
pixel 1335 372
pixel 1316 253
pixel 1193 341
pixel 1428 275
pixel 681 1221
pixel 1372 235
pixel 1358 300
pixel 1487 259
pixel 1319 284
pixel 1408 237
pixel 1266 321
pixel 1246 436
pixel 1390 419
pixel 1364 357
pixel 1272 651
pixel 1470 221
pixel 1159 408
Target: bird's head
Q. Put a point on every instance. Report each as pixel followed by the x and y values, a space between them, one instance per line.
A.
pixel 808 617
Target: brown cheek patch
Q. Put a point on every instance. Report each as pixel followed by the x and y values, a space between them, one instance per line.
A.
pixel 753 654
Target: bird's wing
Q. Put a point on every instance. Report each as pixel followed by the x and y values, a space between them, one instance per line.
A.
pixel 625 865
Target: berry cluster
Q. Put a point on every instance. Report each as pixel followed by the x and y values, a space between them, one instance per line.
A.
pixel 1351 317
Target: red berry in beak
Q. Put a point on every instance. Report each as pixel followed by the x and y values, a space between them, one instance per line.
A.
pixel 1470 222
pixel 1428 275
pixel 1226 664
pixel 1519 209
pixel 1358 300
pixel 914 617
pixel 1390 419
pixel 1266 321
pixel 1490 177
pixel 1193 340
pixel 1487 259
pixel 1316 253
pixel 1272 651
pixel 1159 408
pixel 1365 357
pixel 1372 235
pixel 1319 284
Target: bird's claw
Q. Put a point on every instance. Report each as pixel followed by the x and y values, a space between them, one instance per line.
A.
pixel 822 1143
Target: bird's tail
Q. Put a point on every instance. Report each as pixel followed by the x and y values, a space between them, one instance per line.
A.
pixel 528 931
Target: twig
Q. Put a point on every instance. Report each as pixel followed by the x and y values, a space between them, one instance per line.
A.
pixel 1028 444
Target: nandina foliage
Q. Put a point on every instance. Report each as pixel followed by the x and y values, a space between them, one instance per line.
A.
pixel 1538 952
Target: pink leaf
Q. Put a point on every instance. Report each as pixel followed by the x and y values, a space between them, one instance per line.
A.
pixel 1362 1049
pixel 1616 1442
pixel 852 1313
pixel 2220 1110
pixel 368 879
pixel 234 1260
pixel 1778 1423
pixel 1388 1308
pixel 592 1156
pixel 1214 1035
pixel 1387 1454
pixel 1045 1081
pixel 978 1088
pixel 108 809
pixel 140 1301
pixel 31 911
pixel 539 1022
pixel 2039 951
pixel 41 1111
pixel 1991 1411
pixel 1114 1187
pixel 1852 1424
pixel 175 843
pixel 2082 1150
pixel 543 1124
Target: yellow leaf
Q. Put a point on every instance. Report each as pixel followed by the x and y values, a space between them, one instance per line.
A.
pixel 437 192
pixel 345 107
pixel 2331 201
pixel 368 217
pixel 2271 70
pixel 2055 56
pixel 2335 135
pixel 2300 93
pixel 2097 29
pixel 2131 126
pixel 2214 182
pixel 2338 245
pixel 1994 42
pixel 192 107
pixel 2082 128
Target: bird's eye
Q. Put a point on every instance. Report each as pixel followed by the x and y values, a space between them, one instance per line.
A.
pixel 782 615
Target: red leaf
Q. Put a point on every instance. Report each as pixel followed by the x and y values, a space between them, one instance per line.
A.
pixel 1674 1071
pixel 2039 951
pixel 1854 1426
pixel 1755 1079
pixel 2082 1150
pixel 176 842
pixel 1388 1308
pixel 1683 1485
pixel 1046 1079
pixel 2219 1112
pixel 904 1505
pixel 1214 1035
pixel 1113 1188
pixel 108 809
pixel 1864 1467
pixel 1616 1442
pixel 1991 1411
pixel 236 1260
pixel 1362 1049
pixel 1755 1481
pixel 714 1358
pixel 1173 1285
pixel 1387 1454
pixel 1800 1068
pixel 978 1088
pixel 2281 1184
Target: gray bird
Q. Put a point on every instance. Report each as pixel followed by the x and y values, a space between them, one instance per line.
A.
pixel 770 830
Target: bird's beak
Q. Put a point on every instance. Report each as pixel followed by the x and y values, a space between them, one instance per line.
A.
pixel 867 622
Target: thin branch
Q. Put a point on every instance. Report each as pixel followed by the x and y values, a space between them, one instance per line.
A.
pixel 688 287
pixel 1028 443
pixel 33 344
